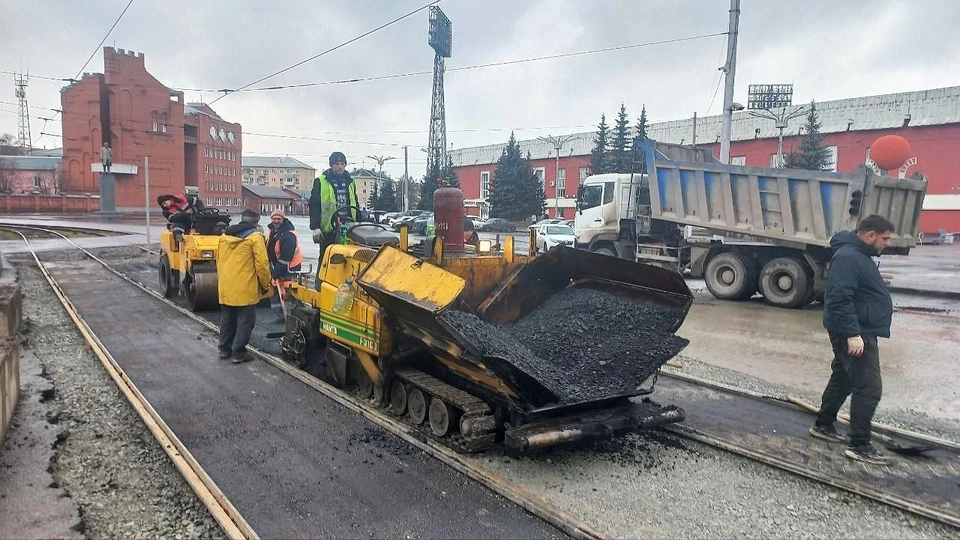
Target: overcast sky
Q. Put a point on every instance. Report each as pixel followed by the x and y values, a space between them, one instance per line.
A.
pixel 828 49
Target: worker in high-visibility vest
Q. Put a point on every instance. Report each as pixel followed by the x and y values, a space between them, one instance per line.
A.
pixel 283 250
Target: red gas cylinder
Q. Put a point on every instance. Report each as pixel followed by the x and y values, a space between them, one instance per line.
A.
pixel 448 217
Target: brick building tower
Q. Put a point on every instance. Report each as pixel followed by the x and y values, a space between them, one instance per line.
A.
pixel 188 144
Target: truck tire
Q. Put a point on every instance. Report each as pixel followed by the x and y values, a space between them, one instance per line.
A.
pixel 786 282
pixel 605 251
pixel 731 276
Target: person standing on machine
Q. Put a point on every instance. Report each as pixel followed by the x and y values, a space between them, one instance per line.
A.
pixel 333 189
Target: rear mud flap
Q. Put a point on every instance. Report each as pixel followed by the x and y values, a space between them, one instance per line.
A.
pixel 531 438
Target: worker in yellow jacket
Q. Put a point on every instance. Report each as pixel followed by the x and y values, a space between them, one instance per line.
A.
pixel 243 279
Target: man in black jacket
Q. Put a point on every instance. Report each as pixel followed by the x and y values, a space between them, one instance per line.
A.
pixel 857 310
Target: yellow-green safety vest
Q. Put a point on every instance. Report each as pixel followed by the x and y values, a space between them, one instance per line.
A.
pixel 328 202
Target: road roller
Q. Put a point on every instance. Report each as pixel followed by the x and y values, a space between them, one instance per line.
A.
pixel 477 346
pixel 188 265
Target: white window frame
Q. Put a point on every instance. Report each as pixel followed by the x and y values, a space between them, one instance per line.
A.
pixel 562 182
pixel 584 172
pixel 738 160
pixel 542 173
pixel 484 185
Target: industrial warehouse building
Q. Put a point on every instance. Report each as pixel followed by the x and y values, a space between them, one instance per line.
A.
pixel 929 120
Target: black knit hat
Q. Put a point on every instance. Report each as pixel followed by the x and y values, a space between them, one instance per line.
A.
pixel 163 198
pixel 250 216
pixel 337 157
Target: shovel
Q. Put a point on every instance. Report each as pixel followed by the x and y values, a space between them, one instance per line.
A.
pixel 888 442
pixel 283 306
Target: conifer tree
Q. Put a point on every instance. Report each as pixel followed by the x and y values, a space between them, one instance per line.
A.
pixel 601 142
pixel 813 155
pixel 621 142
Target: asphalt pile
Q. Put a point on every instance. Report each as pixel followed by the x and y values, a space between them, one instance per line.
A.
pixel 581 344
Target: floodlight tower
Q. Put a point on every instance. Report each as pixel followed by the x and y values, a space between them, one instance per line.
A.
pixel 24 140
pixel 441 40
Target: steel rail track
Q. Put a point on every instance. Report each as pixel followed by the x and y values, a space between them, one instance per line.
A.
pixel 226 515
pixel 535 504
pixel 859 488
pixel 528 501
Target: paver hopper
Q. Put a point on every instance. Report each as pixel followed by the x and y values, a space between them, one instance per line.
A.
pixel 553 355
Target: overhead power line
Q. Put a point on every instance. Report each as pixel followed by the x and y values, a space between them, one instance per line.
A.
pixel 481 66
pixel 105 36
pixel 330 50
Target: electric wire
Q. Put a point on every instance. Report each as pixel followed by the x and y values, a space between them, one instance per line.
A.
pixel 330 50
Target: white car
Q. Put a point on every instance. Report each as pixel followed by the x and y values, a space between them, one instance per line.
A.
pixel 549 236
pixel 543 222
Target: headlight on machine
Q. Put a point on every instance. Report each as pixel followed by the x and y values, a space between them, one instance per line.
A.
pixel 206 254
pixel 485 246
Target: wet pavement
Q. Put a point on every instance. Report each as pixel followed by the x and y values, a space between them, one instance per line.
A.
pixel 920 363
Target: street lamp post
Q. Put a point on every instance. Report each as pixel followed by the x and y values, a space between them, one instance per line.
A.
pixel 780 119
pixel 557 141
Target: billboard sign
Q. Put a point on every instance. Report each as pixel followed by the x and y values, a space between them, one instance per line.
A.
pixel 769 96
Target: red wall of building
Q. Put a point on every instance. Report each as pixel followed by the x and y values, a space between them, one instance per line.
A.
pixel 935 148
pixel 82 133
pixel 469 177
pixel 219 165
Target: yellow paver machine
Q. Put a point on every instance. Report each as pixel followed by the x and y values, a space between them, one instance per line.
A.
pixel 480 346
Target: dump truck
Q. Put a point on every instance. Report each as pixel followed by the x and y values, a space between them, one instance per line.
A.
pixel 476 347
pixel 742 229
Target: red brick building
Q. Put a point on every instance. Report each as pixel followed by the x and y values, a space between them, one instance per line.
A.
pixel 928 119
pixel 187 144
pixel 266 199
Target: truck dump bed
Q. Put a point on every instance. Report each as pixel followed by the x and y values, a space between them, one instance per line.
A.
pixel 786 205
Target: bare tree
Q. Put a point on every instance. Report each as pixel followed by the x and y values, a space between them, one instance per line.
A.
pixel 7 174
pixel 44 183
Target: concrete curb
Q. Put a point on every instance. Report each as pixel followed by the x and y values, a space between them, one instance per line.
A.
pixel 950 295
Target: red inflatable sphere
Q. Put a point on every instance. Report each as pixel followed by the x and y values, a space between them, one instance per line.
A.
pixel 890 151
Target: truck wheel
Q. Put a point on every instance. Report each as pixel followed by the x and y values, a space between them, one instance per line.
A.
pixel 731 276
pixel 786 282
pixel 605 251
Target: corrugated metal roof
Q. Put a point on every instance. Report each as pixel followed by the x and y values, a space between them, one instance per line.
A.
pixel 922 108
pixel 268 162
pixel 48 152
pixel 268 192
pixel 32 163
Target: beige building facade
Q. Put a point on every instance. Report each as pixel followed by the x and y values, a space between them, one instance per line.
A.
pixel 282 172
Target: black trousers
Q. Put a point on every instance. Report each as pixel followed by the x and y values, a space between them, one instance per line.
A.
pixel 236 325
pixel 857 377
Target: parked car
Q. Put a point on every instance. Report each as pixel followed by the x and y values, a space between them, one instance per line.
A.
pixel 403 220
pixel 549 236
pixel 388 217
pixel 497 225
pixel 419 224
pixel 568 223
pixel 543 222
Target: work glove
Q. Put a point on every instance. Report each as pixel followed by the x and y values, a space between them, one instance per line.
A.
pixel 855 346
pixel 317 236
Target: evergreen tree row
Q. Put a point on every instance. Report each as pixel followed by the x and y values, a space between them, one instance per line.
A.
pixel 612 151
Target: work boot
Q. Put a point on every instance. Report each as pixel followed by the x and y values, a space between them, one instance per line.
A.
pixel 240 357
pixel 828 433
pixel 867 454
pixel 224 354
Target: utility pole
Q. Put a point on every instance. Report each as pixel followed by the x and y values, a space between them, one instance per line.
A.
pixel 146 185
pixel 694 129
pixel 557 141
pixel 406 179
pixel 729 70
